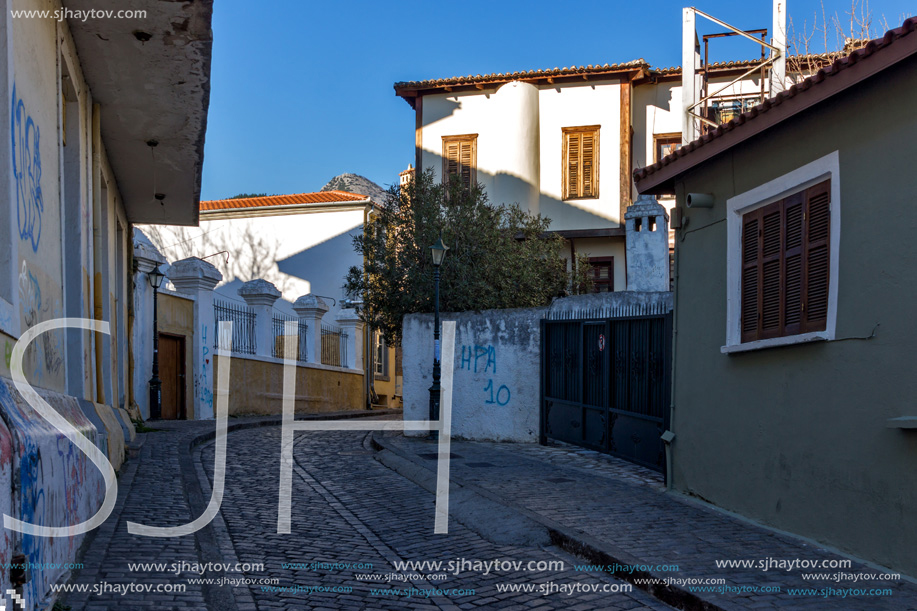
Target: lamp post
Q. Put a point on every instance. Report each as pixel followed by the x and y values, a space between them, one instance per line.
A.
pixel 156 276
pixel 438 251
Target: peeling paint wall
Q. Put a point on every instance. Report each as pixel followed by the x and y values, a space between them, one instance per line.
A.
pixel 496 387
pixel 495 393
pixel 64 255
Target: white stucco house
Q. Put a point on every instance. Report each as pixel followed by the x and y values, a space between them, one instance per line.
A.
pixel 562 142
pixel 302 243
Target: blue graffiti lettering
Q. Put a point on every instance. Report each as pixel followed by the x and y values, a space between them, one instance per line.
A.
pixel 27 172
pixel 480 352
pixel 501 392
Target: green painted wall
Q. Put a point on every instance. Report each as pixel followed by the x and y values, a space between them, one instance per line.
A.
pixel 796 437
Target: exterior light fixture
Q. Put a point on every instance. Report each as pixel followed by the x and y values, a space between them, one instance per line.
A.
pixel 438 252
pixel 156 276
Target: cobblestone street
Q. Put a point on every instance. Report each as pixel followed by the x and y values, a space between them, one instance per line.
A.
pixel 347 509
pixel 357 513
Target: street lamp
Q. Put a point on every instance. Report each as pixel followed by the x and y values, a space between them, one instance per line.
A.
pixel 156 277
pixel 438 252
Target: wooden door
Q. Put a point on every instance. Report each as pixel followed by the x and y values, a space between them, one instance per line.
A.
pixel 172 374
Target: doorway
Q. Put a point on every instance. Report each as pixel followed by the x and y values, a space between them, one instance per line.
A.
pixel 172 374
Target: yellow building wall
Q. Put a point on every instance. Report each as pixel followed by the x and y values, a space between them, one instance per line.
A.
pixel 256 387
pixel 176 317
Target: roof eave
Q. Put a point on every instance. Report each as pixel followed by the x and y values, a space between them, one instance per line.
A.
pixel 153 90
pixel 410 91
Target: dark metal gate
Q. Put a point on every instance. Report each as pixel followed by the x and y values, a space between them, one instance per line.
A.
pixel 605 384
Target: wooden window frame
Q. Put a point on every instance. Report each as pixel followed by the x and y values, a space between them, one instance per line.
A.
pixel 657 138
pixel 472 140
pixel 611 271
pixel 380 365
pixel 656 141
pixel 566 132
pixel 768 194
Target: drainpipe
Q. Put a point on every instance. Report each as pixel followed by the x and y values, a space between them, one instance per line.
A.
pixel 669 436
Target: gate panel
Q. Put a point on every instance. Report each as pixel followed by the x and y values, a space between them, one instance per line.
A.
pixel 595 370
pixel 605 384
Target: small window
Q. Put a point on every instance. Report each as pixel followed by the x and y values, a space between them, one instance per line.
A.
pixel 460 157
pixel 380 355
pixel 666 144
pixel 785 265
pixel 603 274
pixel 581 162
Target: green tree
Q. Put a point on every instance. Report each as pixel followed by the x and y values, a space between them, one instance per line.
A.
pixel 499 256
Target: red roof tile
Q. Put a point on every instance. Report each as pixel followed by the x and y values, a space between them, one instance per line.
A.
pixel 409 89
pixel 322 197
pixel 873 48
pixel 502 77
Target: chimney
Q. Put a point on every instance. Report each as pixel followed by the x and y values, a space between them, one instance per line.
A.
pixel 647 245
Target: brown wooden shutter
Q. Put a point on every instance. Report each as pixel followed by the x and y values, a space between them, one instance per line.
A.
pixel 818 232
pixel 785 257
pixel 451 157
pixel 750 234
pixel 573 163
pixel 770 257
pixel 793 207
pixel 587 164
pixel 460 158
pixel 466 163
pixel 580 162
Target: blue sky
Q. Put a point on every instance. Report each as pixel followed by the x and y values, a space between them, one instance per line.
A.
pixel 302 90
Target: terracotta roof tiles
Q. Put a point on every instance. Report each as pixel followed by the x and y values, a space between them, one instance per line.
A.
pixel 501 77
pixel 322 197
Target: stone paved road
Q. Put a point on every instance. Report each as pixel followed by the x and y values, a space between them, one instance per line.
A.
pixel 150 491
pixel 626 507
pixel 347 508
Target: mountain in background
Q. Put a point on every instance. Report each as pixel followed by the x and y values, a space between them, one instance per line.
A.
pixel 356 184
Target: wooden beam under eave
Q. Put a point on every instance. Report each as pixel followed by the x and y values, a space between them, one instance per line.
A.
pixel 626 147
pixel 418 135
pixel 479 86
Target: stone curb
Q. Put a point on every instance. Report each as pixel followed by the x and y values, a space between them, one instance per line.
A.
pixel 569 539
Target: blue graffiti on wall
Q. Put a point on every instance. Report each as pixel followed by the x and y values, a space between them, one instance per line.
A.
pixel 483 359
pixel 472 356
pixel 27 173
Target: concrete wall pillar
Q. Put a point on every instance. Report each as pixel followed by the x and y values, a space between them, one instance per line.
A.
pixel 197 278
pixel 260 296
pixel 311 309
pixel 350 322
pixel 146 258
pixel 647 244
